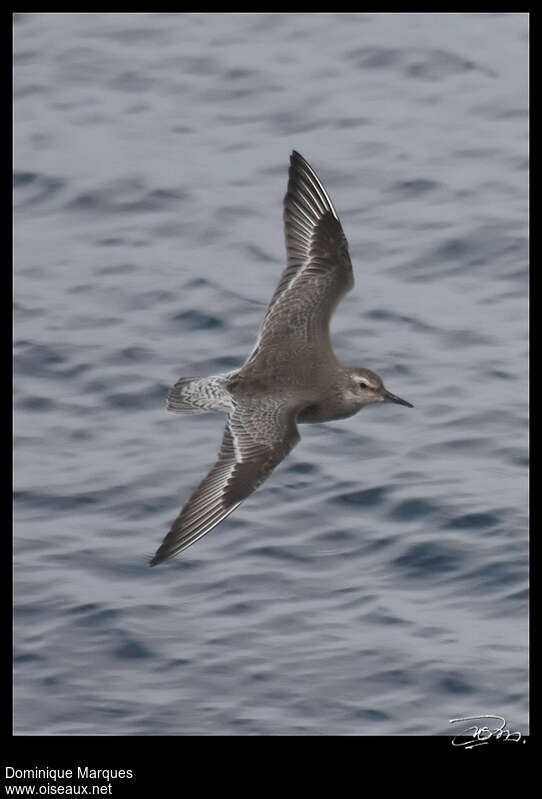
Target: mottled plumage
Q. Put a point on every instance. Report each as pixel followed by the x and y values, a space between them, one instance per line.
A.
pixel 291 376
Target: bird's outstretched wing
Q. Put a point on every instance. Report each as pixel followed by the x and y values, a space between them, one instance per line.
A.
pixel 256 438
pixel 318 271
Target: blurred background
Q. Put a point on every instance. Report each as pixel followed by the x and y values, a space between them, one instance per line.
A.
pixel 377 582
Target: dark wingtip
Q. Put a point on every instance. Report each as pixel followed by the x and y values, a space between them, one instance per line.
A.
pixel 156 558
pixel 295 156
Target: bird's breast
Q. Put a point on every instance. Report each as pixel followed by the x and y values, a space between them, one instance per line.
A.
pixel 327 411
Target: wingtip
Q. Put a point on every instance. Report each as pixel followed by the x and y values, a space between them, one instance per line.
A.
pixel 156 559
pixel 301 171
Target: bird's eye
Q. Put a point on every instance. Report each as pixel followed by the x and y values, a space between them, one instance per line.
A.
pixel 364 384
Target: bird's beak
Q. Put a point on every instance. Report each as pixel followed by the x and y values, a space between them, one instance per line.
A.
pixel 389 397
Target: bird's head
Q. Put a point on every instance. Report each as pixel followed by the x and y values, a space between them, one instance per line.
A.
pixel 368 387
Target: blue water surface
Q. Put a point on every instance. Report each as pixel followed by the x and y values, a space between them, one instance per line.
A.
pixel 377 582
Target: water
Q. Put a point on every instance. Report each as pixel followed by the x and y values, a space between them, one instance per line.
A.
pixel 377 582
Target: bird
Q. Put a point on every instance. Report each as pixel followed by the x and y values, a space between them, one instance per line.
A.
pixel 291 377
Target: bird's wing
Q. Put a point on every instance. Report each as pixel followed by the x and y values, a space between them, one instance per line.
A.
pixel 256 438
pixel 318 271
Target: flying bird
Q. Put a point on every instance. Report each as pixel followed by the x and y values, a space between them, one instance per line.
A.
pixel 292 376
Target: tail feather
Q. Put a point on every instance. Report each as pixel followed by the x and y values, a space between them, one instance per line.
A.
pixel 181 400
pixel 198 395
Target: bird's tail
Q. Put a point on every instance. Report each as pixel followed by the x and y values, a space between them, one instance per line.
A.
pixel 199 395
